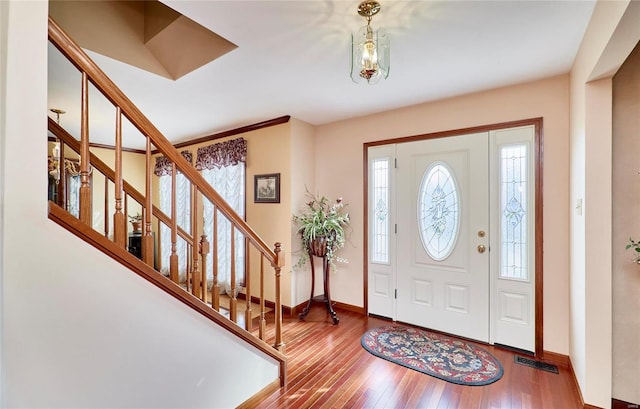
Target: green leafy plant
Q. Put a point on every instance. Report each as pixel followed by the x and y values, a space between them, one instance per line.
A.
pixel 636 248
pixel 322 219
pixel 137 218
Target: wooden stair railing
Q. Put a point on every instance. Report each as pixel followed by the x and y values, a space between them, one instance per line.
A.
pixel 110 175
pixel 91 73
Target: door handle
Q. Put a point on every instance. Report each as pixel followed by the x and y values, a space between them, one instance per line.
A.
pixel 481 248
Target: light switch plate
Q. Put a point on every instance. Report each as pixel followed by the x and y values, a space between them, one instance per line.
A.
pixel 579 207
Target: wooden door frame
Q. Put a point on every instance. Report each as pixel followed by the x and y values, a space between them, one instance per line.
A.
pixel 538 201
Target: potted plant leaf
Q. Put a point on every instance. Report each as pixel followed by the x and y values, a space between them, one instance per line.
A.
pixel 321 227
pixel 636 249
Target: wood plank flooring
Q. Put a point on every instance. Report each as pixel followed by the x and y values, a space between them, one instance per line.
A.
pixel 328 368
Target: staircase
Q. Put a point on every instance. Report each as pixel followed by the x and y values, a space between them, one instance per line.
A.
pixel 121 196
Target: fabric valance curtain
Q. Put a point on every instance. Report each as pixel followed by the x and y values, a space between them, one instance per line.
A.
pixel 223 154
pixel 164 165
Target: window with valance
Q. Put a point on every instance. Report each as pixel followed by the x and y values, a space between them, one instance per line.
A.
pixel 223 165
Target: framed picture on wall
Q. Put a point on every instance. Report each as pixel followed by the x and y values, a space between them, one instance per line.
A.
pixel 266 188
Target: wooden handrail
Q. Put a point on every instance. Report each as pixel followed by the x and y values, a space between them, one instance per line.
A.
pixel 100 80
pixel 103 168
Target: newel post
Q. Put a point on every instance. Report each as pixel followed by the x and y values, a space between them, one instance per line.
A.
pixel 277 265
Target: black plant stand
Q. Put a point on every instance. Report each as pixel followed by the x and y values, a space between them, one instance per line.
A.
pixel 326 297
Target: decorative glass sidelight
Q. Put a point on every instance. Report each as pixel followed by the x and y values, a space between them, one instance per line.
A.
pixel 514 226
pixel 380 225
pixel 439 211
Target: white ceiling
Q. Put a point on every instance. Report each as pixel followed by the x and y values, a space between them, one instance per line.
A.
pixel 293 59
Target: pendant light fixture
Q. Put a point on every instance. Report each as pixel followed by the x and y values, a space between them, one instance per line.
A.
pixel 369 48
pixel 56 165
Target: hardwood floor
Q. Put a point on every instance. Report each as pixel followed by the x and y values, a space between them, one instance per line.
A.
pixel 328 368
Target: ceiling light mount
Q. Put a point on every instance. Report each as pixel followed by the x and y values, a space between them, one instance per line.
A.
pixel 369 48
pixel 368 9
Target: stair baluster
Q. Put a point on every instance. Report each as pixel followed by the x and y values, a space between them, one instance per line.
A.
pixel 204 250
pixel 196 285
pixel 278 264
pixel 173 258
pixel 233 302
pixel 147 241
pixel 247 284
pixel 106 206
pixel 119 221
pixel 85 187
pixel 215 288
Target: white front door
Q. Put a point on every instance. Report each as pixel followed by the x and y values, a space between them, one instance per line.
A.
pixel 443 206
pixel 451 243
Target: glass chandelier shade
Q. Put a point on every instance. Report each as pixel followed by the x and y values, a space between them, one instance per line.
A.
pixel 369 49
pixel 55 152
pixel 56 165
pixel 55 156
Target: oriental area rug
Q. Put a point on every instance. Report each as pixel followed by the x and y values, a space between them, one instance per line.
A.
pixel 434 354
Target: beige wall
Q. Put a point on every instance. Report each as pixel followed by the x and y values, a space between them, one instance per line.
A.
pixel 269 151
pixel 339 160
pixel 133 171
pixel 612 33
pixel 303 178
pixel 626 223
pixel 133 165
pixel 4 22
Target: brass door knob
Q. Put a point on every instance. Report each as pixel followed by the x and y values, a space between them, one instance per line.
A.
pixel 481 248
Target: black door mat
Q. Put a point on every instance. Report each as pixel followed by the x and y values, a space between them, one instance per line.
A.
pixel 536 364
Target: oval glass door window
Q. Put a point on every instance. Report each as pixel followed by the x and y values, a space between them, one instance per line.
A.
pixel 438 211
